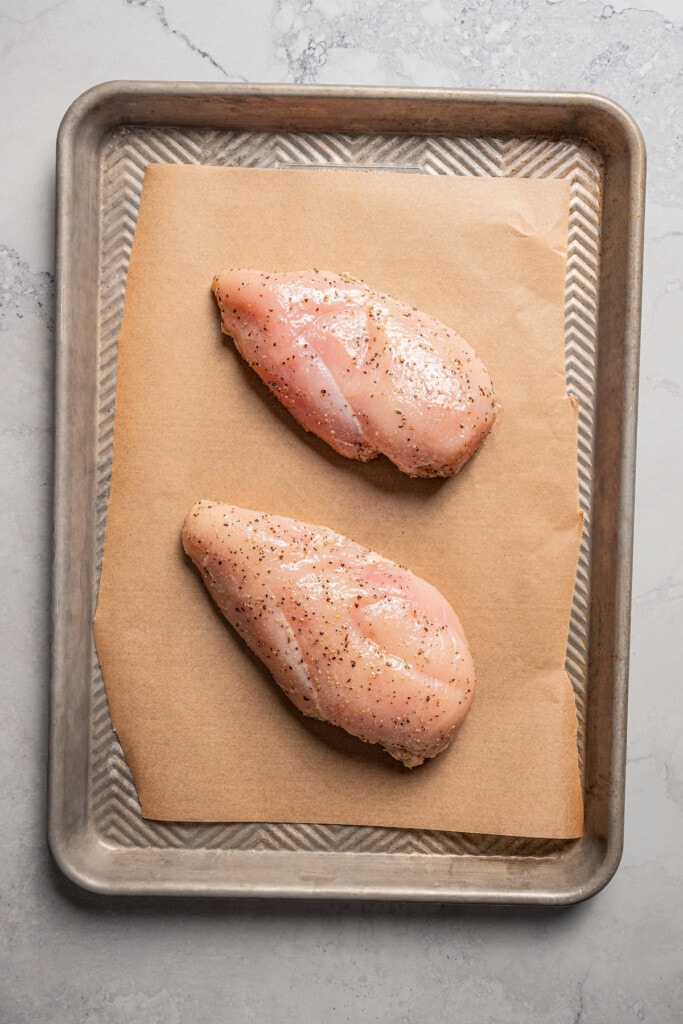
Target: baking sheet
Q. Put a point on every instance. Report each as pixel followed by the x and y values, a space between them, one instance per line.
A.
pixel 109 135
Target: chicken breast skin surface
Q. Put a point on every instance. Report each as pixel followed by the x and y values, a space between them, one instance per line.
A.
pixel 350 637
pixel 366 373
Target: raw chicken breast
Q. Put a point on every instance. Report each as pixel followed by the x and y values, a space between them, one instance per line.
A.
pixel 350 637
pixel 364 372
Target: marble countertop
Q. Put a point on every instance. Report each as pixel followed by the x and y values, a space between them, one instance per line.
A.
pixel 66 956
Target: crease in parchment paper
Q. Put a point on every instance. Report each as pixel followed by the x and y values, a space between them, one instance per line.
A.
pixel 207 733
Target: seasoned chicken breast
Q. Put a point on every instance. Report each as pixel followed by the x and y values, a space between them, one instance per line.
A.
pixel 351 637
pixel 364 372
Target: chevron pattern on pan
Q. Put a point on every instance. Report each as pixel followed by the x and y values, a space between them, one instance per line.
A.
pixel 114 807
pixel 582 167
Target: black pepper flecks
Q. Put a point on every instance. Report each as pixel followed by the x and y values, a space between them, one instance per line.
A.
pixel 340 354
pixel 350 637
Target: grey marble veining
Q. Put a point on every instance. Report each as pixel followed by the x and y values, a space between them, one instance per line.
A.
pixel 66 956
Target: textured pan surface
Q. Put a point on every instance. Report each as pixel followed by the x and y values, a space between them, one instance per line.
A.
pixel 110 813
pixel 113 801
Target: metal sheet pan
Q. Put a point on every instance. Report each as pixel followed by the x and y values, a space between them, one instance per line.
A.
pixel 96 832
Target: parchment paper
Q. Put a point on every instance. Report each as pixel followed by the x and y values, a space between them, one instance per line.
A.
pixel 207 733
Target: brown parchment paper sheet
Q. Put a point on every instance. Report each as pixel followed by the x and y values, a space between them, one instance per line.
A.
pixel 207 733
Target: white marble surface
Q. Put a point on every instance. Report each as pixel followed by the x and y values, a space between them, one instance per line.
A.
pixel 66 956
